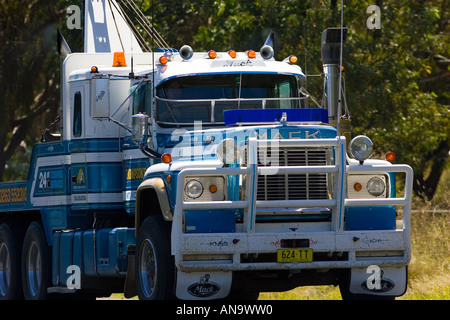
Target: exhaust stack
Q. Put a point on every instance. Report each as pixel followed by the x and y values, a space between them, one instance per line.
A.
pixel 330 50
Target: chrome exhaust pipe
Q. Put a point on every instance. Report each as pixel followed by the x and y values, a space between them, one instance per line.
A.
pixel 331 43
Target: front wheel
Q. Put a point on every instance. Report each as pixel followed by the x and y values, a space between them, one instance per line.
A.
pixel 155 270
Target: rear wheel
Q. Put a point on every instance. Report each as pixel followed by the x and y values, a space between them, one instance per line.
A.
pixel 155 270
pixel 35 263
pixel 10 278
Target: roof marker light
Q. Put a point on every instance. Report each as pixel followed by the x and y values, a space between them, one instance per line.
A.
pixel 251 54
pixel 292 59
pixel 163 59
pixel 212 54
pixel 232 53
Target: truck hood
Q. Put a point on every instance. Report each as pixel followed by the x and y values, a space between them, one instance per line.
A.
pixel 201 144
pixel 198 148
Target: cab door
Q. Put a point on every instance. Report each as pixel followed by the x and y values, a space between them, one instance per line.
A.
pixel 77 147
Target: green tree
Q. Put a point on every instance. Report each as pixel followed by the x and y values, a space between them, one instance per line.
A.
pixel 29 80
pixel 29 76
pixel 395 86
pixel 397 77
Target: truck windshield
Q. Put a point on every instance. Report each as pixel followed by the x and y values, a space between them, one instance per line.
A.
pixel 184 100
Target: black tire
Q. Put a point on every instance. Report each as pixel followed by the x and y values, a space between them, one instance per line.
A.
pixel 154 267
pixel 10 254
pixel 36 265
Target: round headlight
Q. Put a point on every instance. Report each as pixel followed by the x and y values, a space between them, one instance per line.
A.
pixel 193 189
pixel 376 186
pixel 360 148
pixel 228 151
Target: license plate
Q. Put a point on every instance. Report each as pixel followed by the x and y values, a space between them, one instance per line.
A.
pixel 294 255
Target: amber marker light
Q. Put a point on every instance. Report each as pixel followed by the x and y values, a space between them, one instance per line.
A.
pixel 357 186
pixel 119 59
pixel 232 53
pixel 163 60
pixel 94 69
pixel 292 59
pixel 168 178
pixel 166 158
pixel 251 54
pixel 213 188
pixel 390 156
pixel 212 54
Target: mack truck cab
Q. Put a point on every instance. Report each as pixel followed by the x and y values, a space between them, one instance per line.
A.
pixel 201 175
pixel 262 194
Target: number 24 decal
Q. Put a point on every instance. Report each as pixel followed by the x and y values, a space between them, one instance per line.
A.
pixel 44 180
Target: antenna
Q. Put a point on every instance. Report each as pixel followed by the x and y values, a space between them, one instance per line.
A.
pixel 131 75
pixel 153 63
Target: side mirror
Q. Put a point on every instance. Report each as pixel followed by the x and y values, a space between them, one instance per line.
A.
pixel 99 98
pixel 139 133
pixel 139 128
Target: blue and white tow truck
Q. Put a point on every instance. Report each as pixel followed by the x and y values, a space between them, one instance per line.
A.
pixel 200 175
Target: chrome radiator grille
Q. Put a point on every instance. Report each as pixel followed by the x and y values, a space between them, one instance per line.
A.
pixel 293 186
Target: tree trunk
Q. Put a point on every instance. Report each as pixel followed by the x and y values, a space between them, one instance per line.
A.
pixel 426 188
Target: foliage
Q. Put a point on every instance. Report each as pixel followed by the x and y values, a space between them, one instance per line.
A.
pixel 397 77
pixel 387 92
pixel 397 87
pixel 28 79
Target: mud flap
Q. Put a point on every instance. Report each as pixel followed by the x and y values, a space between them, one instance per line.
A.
pixel 375 280
pixel 203 285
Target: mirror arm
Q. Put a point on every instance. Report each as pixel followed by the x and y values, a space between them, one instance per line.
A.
pixel 148 152
pixel 120 124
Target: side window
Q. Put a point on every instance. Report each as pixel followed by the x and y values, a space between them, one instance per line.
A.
pixel 284 91
pixel 77 117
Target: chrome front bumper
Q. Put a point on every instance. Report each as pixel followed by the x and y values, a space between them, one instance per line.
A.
pixel 227 251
